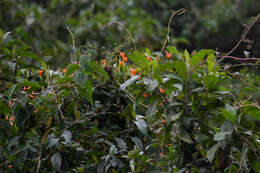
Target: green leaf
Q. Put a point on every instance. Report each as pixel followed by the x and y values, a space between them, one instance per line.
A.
pixel 96 68
pixel 27 54
pixel 211 62
pixel 89 88
pixel 34 85
pixel 56 161
pixel 222 92
pixel 170 77
pixel 138 142
pixel 211 152
pixel 199 89
pixel 229 113
pixel 174 52
pixel 152 110
pixel 254 113
pixel 121 143
pixel 80 78
pixel 11 91
pixel 187 59
pixel 164 67
pixel 221 136
pixel 139 59
pixel 4 125
pixel 129 82
pixel 151 84
pixel 84 62
pixel 141 125
pixel 7 37
pixel 4 108
pixel 71 69
pixel 180 68
pixel 198 57
pixel 67 135
pixel 183 135
pixel 228 116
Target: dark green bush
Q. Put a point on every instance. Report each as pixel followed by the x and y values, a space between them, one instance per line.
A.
pixel 140 112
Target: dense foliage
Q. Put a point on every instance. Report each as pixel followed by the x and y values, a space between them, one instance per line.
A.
pixel 68 104
pixel 142 111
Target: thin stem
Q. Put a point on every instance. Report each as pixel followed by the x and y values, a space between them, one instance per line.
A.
pixel 178 12
pixel 73 42
pixel 242 38
pixel 129 33
pixel 39 160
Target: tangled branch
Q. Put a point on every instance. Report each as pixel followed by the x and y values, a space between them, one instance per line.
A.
pixel 242 39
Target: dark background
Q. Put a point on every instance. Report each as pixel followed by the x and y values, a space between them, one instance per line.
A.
pixel 206 24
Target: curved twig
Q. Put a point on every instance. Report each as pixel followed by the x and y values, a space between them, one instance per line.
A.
pixel 129 33
pixel 242 38
pixel 178 12
pixel 241 59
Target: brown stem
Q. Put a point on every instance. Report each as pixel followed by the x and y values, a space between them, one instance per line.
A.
pixel 242 38
pixel 178 12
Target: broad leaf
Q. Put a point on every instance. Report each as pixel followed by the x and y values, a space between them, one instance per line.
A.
pixel 129 82
pixel 121 143
pixel 211 152
pixel 229 113
pixel 71 69
pixel 221 136
pixel 141 125
pixel 56 161
pixel 254 113
pixel 174 52
pixel 183 135
pixel 198 57
pixel 152 110
pixel 139 59
pixel 67 135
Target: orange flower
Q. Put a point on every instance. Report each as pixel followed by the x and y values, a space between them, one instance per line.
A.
pixel 145 95
pixel 10 166
pixel 121 63
pixel 162 91
pixel 125 59
pixel 133 71
pixel 40 72
pixel 163 121
pixel 149 58
pixel 64 70
pixel 140 76
pixel 29 87
pixel 122 54
pixel 168 54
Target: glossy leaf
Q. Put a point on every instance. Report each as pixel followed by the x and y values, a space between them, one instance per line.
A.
pixel 129 82
pixel 56 161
